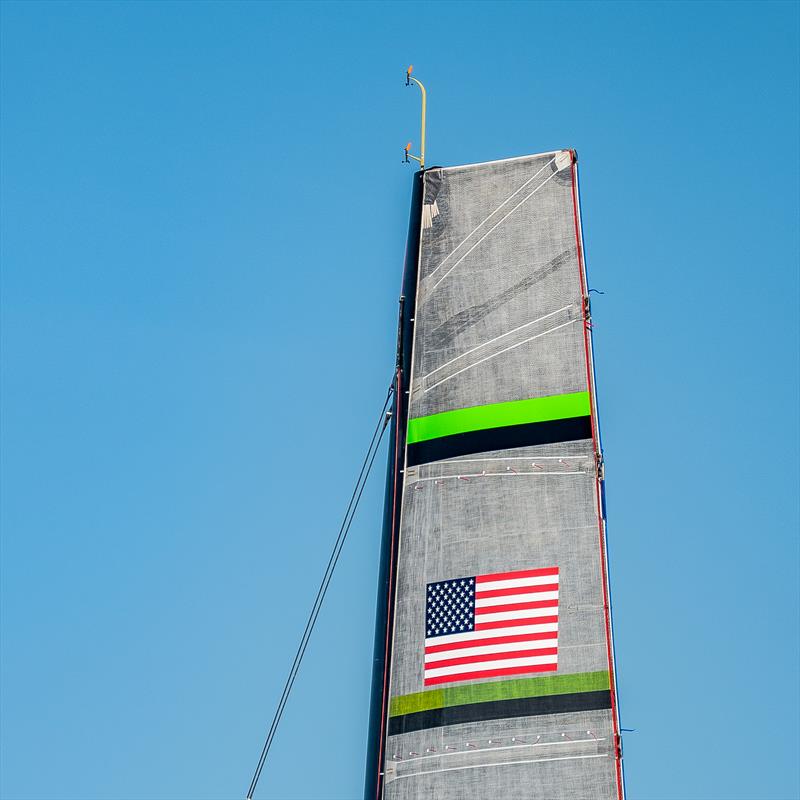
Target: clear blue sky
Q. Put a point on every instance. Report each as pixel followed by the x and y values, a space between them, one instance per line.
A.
pixel 203 222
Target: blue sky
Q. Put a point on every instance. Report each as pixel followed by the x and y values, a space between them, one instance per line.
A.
pixel 203 222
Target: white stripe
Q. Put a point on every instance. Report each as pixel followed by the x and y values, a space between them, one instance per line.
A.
pixel 499 222
pixel 498 764
pixel 483 585
pixel 515 474
pixel 491 341
pixel 490 749
pixel 499 353
pixel 523 613
pixel 507 647
pixel 544 627
pixel 484 666
pixel 486 219
pixel 517 458
pixel 508 599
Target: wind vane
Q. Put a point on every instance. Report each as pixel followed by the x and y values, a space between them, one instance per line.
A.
pixel 421 157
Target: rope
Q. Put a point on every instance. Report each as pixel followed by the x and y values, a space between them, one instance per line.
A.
pixel 352 506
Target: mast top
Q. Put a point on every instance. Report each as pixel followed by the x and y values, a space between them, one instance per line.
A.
pixel 421 157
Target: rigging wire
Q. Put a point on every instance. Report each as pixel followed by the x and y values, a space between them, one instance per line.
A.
pixel 352 506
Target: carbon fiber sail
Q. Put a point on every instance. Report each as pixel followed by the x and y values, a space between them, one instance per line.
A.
pixel 494 671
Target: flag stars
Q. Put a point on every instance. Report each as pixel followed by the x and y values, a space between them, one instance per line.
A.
pixel 450 607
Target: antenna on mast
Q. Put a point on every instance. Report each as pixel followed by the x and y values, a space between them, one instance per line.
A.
pixel 421 157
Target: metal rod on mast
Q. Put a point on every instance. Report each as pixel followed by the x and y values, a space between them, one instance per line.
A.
pixel 421 157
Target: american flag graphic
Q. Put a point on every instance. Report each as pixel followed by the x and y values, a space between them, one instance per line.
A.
pixel 487 626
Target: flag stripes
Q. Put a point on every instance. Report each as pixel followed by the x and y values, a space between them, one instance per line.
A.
pixel 492 625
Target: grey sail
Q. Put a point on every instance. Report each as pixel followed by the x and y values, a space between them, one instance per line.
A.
pixel 494 672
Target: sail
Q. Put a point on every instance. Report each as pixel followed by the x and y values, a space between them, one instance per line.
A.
pixel 494 671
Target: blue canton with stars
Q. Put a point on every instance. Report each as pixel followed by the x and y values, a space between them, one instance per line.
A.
pixel 450 607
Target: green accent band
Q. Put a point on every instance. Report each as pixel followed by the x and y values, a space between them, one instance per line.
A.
pixel 498 690
pixel 499 415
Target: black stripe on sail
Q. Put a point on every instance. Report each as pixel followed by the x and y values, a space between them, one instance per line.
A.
pixel 506 438
pixel 500 709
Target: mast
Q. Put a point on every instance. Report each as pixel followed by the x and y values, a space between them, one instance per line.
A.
pixel 494 663
pixel 387 578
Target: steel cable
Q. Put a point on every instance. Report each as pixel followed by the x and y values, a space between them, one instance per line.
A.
pixel 352 506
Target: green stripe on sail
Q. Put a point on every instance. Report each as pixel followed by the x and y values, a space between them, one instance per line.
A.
pixel 499 690
pixel 498 415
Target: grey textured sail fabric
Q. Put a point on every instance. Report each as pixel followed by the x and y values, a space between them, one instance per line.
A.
pixel 501 678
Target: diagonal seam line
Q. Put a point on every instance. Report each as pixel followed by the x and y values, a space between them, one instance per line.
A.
pixel 500 222
pixel 491 341
pixel 484 221
pixel 499 353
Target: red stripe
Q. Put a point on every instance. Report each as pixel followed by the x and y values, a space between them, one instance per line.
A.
pixel 600 525
pixel 508 623
pixel 523 573
pixel 517 606
pixel 490 673
pixel 453 662
pixel 517 637
pixel 545 587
